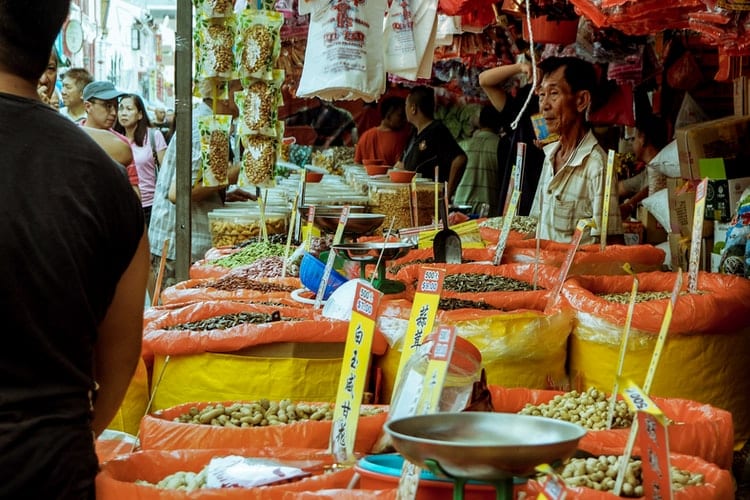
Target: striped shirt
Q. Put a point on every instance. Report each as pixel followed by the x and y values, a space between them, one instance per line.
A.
pixel 163 211
pixel 575 192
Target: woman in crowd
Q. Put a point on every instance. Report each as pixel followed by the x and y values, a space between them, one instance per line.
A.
pixel 148 146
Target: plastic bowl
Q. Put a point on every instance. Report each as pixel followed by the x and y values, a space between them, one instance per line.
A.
pixel 311 272
pixel 401 176
pixel 313 176
pixel 372 161
pixel 376 169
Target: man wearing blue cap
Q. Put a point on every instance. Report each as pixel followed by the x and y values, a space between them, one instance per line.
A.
pixel 100 99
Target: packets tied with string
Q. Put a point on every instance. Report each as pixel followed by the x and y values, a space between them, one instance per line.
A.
pixel 214 132
pixel 258 104
pixel 214 41
pixel 258 43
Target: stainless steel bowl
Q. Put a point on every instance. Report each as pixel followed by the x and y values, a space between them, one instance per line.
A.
pixel 371 251
pixel 356 223
pixel 483 445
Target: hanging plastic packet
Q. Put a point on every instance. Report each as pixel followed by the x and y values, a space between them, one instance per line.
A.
pixel 258 43
pixel 214 131
pixel 213 46
pixel 259 104
pixel 213 9
pixel 345 41
pixel 258 160
pixel 400 52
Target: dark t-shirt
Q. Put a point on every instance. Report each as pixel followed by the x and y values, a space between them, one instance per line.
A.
pixel 435 145
pixel 69 226
pixel 506 153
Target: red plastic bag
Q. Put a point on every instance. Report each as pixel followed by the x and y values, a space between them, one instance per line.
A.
pixel 160 432
pixel 618 110
pixel 698 429
pixel 684 73
pixel 198 289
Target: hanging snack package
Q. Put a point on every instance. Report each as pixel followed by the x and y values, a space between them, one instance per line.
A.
pixel 214 9
pixel 259 104
pixel 345 39
pixel 400 53
pixel 214 131
pixel 258 160
pixel 258 43
pixel 213 46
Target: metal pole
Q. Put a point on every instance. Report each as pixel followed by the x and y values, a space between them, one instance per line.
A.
pixel 184 136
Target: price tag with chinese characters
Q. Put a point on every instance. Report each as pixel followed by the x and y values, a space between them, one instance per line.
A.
pixel 423 312
pixel 653 441
pixel 331 257
pixel 354 372
pixel 429 401
pixel 510 213
pixel 582 225
pixel 695 243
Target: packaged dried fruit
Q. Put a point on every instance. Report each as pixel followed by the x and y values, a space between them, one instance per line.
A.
pixel 214 42
pixel 258 160
pixel 258 42
pixel 214 9
pixel 214 132
pixel 258 104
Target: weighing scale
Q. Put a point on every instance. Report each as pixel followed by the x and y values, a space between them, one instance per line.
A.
pixel 484 446
pixel 369 253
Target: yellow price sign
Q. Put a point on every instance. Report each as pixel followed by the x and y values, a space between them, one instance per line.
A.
pixel 607 196
pixel 423 312
pixel 310 227
pixel 437 368
pixel 354 371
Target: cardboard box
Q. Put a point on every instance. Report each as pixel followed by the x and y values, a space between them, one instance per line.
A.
pixel 653 231
pixel 682 208
pixel 725 138
pixel 679 252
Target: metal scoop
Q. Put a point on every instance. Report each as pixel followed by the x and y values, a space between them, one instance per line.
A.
pixel 446 246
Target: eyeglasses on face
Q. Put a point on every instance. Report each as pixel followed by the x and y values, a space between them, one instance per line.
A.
pixel 108 105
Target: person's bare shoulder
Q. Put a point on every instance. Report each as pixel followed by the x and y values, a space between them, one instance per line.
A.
pixel 112 145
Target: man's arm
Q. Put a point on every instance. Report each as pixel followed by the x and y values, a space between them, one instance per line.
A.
pixel 200 192
pixel 493 81
pixel 118 345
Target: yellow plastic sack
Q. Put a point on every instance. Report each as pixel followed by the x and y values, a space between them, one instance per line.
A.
pixel 225 377
pixel 133 407
pixel 524 348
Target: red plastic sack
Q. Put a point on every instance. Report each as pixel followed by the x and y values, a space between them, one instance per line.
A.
pixel 312 327
pixel 509 301
pixel 589 259
pixel 420 254
pixel 492 236
pixel 698 429
pixel 116 481
pixel 717 482
pixel 196 290
pixel 160 432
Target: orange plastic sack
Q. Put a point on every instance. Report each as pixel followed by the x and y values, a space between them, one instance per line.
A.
pixel 509 301
pixel 116 481
pixel 111 443
pixel 160 432
pixel 704 358
pixel 311 327
pixel 421 254
pixel 197 289
pixel 589 259
pixel 717 482
pixel 491 236
pixel 698 429
pixel 338 494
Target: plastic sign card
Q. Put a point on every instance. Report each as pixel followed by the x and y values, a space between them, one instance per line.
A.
pixel 607 195
pixel 331 257
pixel 422 317
pixel 653 440
pixel 662 338
pixel 354 372
pixel 695 243
pixel 582 225
pixel 429 401
pixel 310 227
pixel 437 368
pixel 505 231
pixel 290 234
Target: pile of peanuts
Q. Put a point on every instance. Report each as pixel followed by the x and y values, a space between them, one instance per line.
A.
pixel 587 409
pixel 600 474
pixel 183 481
pixel 262 413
